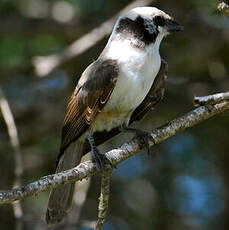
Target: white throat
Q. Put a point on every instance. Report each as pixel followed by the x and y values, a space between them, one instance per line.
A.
pixel 126 49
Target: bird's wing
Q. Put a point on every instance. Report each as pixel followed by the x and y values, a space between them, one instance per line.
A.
pixel 154 96
pixel 89 97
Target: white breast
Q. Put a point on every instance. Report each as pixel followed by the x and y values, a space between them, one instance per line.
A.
pixel 137 71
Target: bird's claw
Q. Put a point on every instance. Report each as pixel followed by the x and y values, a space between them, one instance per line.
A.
pixel 143 138
pixel 100 160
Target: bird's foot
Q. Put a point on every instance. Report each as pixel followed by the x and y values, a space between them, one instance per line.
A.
pixel 100 159
pixel 143 138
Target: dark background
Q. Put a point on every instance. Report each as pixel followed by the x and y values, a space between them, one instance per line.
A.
pixel 184 185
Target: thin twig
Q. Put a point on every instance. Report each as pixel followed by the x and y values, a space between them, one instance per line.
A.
pixel 223 7
pixel 45 65
pixel 211 99
pixel 14 141
pixel 103 199
pixel 87 169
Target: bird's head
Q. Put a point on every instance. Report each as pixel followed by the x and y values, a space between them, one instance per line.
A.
pixel 146 25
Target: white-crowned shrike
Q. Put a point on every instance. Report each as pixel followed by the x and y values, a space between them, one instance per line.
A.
pixel 125 82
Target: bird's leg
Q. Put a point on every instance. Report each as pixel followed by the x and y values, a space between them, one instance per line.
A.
pixel 100 159
pixel 141 136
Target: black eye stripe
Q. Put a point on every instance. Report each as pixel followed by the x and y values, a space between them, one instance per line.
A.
pixel 138 29
pixel 159 21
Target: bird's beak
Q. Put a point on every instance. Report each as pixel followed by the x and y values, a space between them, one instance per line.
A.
pixel 173 26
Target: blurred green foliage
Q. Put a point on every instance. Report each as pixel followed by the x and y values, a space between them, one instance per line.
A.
pixel 12 52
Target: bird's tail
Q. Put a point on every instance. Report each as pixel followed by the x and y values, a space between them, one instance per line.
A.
pixel 60 199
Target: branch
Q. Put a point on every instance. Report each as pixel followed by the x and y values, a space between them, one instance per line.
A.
pixel 45 65
pixel 103 199
pixel 223 7
pixel 14 141
pixel 87 169
pixel 211 99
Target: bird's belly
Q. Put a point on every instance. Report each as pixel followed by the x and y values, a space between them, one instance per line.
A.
pixel 130 90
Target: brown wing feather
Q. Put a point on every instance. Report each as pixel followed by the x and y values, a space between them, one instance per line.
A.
pixel 91 94
pixel 154 96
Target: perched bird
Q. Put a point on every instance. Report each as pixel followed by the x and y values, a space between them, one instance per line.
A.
pixel 124 83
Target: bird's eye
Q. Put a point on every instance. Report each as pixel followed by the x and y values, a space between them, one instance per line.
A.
pixel 159 21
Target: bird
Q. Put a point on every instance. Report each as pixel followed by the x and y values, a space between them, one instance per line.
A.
pixel 118 88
